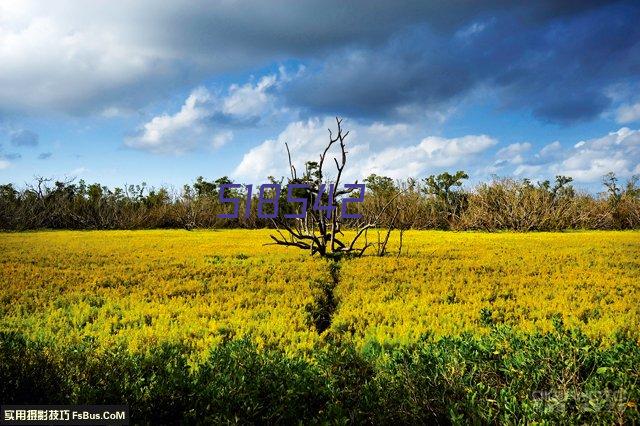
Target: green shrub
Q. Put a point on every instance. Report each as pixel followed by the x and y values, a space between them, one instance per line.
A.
pixel 503 377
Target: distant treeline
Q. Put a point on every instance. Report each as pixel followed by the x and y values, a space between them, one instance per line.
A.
pixel 435 202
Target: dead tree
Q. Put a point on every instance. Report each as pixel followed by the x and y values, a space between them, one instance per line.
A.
pixel 314 231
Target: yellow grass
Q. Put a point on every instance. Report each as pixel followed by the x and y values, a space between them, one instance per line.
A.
pixel 141 288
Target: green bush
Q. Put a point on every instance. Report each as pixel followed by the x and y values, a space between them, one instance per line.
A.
pixel 503 377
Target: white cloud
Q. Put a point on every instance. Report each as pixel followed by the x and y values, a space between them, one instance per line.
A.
pixel 175 133
pixel 432 152
pixel 513 153
pixel 305 140
pixel 221 139
pixel 449 151
pixel 111 57
pixel 4 164
pixel 372 149
pixel 196 121
pixel 617 152
pixel 628 113
pixel 51 64
pixel 249 100
pixel 529 170
pixel 262 161
pixel 389 131
pixel 550 149
pixel 588 160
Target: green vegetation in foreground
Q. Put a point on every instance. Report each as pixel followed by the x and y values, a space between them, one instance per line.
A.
pixel 559 377
pixel 213 327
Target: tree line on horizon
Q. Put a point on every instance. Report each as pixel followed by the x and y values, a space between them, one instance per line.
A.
pixel 435 202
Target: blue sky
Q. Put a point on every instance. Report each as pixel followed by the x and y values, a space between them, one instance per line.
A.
pixel 162 92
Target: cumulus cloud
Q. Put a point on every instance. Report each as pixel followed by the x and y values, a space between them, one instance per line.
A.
pixel 248 100
pixel 175 133
pixel 373 148
pixel 221 139
pixel 586 161
pixel 431 153
pixel 53 63
pixel 201 116
pixel 513 153
pixel 618 152
pixel 305 140
pixel 628 113
pixel 24 138
pixel 550 150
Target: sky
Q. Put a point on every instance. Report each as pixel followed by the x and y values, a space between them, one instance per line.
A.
pixel 124 92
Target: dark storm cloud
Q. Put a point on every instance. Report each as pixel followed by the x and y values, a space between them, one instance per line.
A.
pixel 302 27
pixel 127 54
pixel 24 138
pixel 364 57
pixel 558 67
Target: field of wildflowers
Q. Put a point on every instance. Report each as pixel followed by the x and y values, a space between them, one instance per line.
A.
pixel 140 288
pixel 106 294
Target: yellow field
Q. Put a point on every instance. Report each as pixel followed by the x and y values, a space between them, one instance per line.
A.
pixel 140 288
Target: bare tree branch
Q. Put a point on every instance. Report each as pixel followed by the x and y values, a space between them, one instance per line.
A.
pixel 314 232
